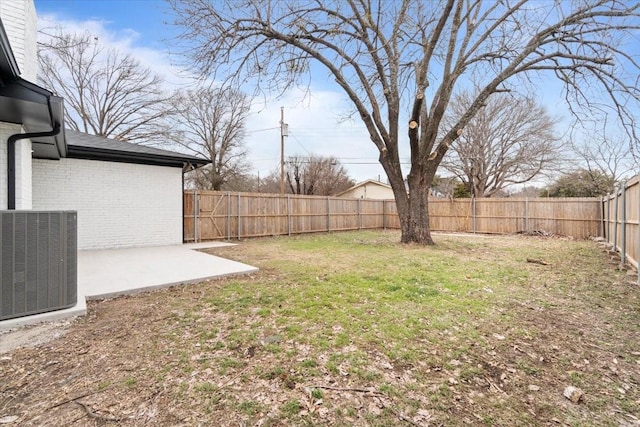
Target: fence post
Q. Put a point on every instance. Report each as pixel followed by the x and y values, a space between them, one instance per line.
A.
pixel 623 231
pixel 384 214
pixel 607 215
pixel 638 247
pixel 615 221
pixel 526 214
pixel 473 212
pixel 228 215
pixel 601 211
pixel 359 216
pixel 239 218
pixel 328 215
pixel 196 229
pixel 289 214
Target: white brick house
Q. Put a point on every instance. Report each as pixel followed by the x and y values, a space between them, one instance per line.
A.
pixel 118 204
pixel 61 191
pixel 125 195
pixel 18 57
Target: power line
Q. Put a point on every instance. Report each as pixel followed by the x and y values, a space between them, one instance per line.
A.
pixel 300 143
pixel 261 130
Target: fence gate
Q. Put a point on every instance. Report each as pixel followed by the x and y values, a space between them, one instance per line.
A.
pixel 209 216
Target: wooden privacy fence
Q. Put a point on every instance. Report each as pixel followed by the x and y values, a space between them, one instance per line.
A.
pixel 210 215
pixel 621 223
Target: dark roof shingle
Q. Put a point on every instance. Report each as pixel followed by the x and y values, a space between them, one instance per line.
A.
pixel 83 145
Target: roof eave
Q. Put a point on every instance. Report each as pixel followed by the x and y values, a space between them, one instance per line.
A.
pixel 92 153
pixel 29 105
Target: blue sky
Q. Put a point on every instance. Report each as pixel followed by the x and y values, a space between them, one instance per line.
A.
pixel 146 17
pixel 139 27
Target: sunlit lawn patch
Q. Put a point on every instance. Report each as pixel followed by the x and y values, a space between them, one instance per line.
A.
pixel 357 329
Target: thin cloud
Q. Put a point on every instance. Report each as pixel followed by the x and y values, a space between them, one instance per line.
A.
pixel 123 40
pixel 316 127
pixel 316 118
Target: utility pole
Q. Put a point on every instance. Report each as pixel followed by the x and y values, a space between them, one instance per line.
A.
pixel 284 131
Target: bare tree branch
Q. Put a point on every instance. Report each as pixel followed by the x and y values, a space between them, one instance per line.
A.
pixel 106 93
pixel 598 153
pixel 316 175
pixel 509 141
pixel 393 59
pixel 210 122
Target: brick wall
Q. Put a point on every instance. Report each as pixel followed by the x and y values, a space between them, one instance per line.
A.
pixel 20 22
pixel 23 167
pixel 23 174
pixel 119 204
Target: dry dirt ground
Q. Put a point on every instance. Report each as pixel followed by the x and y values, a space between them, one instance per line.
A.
pixel 32 335
pixel 211 354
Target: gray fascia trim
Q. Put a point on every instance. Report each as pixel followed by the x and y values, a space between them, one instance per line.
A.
pixel 88 153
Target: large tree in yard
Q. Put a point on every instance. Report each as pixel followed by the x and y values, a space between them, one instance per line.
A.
pixel 400 63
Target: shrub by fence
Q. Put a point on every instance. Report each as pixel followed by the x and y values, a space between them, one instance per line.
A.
pixel 210 215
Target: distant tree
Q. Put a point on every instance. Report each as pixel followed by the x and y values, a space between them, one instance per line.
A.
pixel 461 191
pixel 529 191
pixel 509 141
pixel 210 122
pixel 247 182
pixel 607 156
pixel 444 186
pixel 580 183
pixel 316 175
pixel 393 57
pixel 106 92
pixel 269 183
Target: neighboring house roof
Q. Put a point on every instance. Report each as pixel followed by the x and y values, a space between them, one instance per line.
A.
pixel 27 104
pixel 362 184
pixel 84 146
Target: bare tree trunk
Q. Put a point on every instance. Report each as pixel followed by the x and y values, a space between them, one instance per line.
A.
pixel 419 227
pixel 412 207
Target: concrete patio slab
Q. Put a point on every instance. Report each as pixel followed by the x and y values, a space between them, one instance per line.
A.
pixel 80 309
pixel 112 272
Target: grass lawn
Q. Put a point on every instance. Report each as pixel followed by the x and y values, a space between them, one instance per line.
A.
pixel 353 329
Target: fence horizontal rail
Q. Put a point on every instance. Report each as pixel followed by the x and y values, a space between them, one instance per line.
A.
pixel 212 215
